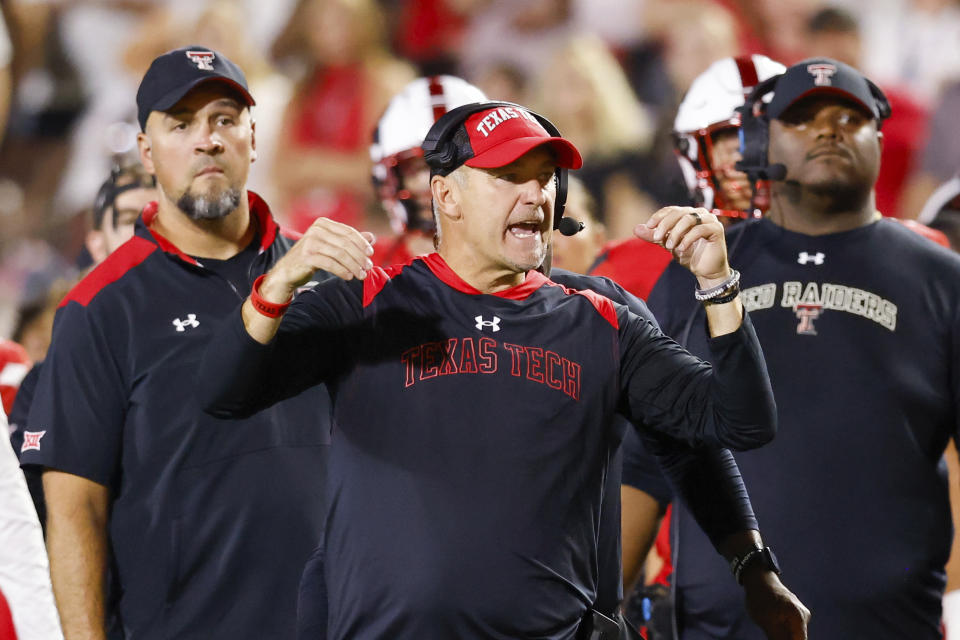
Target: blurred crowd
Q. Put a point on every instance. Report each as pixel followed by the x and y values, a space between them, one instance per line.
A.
pixel 609 73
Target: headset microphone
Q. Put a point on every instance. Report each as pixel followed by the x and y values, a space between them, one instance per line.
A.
pixel 569 227
pixel 775 171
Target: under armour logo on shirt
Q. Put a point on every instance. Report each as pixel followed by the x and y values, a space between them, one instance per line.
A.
pixel 203 59
pixel 494 324
pixel 31 440
pixel 182 325
pixel 822 73
pixel 816 258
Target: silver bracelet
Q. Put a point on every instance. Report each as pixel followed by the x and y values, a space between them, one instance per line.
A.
pixel 708 294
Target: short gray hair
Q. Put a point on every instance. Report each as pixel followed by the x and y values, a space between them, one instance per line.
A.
pixel 460 176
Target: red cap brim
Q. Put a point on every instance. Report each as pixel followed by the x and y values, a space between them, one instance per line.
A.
pixel 506 152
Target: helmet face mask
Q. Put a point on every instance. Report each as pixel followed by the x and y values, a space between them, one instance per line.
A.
pixel 398 164
pixel 708 110
pixel 697 149
pixel 407 204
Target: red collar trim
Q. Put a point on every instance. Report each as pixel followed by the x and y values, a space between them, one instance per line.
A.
pixel 533 281
pixel 266 226
pixel 149 215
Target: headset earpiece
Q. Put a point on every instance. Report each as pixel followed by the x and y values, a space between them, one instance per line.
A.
pixel 442 155
pixel 883 105
pixel 439 149
pixel 754 131
pixel 560 203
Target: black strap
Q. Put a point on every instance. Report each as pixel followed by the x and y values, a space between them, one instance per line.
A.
pixel 596 626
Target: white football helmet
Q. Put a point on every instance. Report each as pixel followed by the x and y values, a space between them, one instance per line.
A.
pixel 709 107
pixel 397 139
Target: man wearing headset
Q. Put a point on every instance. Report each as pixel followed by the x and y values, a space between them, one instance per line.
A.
pixel 474 397
pixel 860 322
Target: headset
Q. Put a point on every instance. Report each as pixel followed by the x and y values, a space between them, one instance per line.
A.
pixel 447 146
pixel 755 130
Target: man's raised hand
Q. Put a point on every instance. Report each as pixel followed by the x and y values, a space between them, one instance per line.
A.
pixel 696 239
pixel 328 245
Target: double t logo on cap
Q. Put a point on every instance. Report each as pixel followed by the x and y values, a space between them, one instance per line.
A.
pixel 203 59
pixel 822 72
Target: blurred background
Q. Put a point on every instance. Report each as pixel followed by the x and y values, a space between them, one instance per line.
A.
pixel 609 73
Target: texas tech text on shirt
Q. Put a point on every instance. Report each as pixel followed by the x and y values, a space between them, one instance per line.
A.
pixel 466 356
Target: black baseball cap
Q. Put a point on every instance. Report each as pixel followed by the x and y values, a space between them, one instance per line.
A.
pixel 818 76
pixel 173 74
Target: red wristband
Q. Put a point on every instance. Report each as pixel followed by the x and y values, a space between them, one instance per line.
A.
pixel 269 309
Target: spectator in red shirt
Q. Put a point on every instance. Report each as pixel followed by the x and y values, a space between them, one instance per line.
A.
pixel 323 165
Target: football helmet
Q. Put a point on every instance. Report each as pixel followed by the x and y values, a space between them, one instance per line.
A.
pixel 708 108
pixel 396 152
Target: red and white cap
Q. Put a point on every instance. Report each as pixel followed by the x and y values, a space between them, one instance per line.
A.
pixel 500 135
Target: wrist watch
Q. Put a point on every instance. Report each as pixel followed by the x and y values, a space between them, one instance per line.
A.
pixel 756 554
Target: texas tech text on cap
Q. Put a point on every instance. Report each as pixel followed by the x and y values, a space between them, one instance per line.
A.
pixel 499 135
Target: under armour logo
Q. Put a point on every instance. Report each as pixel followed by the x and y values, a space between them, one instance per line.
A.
pixel 822 73
pixel 203 59
pixel 807 314
pixel 182 325
pixel 31 440
pixel 493 324
pixel 816 258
